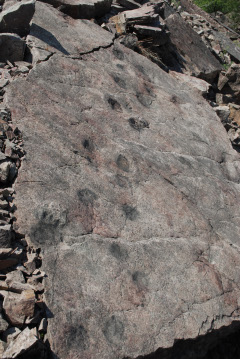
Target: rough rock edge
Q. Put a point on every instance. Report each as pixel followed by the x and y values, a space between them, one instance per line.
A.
pixel 27 257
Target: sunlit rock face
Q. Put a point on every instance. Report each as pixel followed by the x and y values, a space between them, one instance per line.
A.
pixel 130 188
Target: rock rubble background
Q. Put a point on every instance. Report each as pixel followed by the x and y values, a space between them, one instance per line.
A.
pixel 118 180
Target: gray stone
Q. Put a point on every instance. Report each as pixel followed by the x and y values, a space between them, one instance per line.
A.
pixel 154 32
pixel 15 276
pixel 52 32
pixel 17 287
pixel 18 307
pixel 30 264
pixel 130 186
pixel 10 334
pixel 199 84
pixel 196 59
pixel 223 112
pixel 11 47
pixel 9 3
pixel 6 236
pixel 2 156
pixel 82 9
pixel 26 341
pixel 129 40
pixel 227 45
pixel 3 82
pixel 3 285
pixel 129 4
pixel 16 18
pixel 3 324
pixel 229 83
pixel 2 347
pixel 21 70
pixel 8 171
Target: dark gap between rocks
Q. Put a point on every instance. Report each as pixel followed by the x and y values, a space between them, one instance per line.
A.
pixel 223 343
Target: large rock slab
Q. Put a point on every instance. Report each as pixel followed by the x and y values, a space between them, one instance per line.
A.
pixel 192 53
pixel 82 9
pixel 130 186
pixel 53 32
pixel 16 18
pixel 227 45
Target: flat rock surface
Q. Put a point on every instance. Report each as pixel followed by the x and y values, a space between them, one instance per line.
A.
pixel 194 55
pixel 130 187
pixel 53 32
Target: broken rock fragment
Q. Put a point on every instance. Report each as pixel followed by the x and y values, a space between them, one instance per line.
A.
pixel 16 18
pixel 8 171
pixel 199 84
pixel 229 83
pixel 197 59
pixel 26 341
pixel 19 306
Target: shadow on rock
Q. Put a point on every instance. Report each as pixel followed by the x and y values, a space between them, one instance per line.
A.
pixel 47 37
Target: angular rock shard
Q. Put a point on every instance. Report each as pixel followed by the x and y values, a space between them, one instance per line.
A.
pixel 19 306
pixel 26 344
pixel 228 46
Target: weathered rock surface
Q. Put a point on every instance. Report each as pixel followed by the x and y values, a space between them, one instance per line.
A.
pixel 193 54
pixel 130 186
pixel 16 18
pixel 53 32
pixel 145 15
pixel 194 82
pixel 228 45
pixel 229 83
pixel 11 48
pixel 82 9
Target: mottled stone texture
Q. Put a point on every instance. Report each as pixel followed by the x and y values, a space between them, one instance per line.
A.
pixel 53 31
pixel 131 188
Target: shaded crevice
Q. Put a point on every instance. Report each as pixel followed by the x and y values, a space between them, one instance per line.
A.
pixel 219 344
